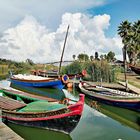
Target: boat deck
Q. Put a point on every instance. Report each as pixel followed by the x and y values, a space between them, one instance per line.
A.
pixel 10 104
pixel 31 95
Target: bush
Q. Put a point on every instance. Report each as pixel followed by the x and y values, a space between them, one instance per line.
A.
pixel 96 70
pixel 73 68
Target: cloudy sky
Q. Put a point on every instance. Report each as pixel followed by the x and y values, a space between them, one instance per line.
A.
pixel 36 29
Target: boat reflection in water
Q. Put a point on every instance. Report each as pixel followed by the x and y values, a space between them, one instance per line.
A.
pixel 30 133
pixel 49 92
pixel 124 116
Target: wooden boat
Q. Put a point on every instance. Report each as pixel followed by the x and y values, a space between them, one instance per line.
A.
pixel 37 81
pixel 47 115
pixel 54 74
pixel 112 97
pixel 135 69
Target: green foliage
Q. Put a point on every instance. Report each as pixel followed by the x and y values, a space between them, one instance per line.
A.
pixel 111 56
pixel 101 70
pixel 3 71
pixel 74 56
pixel 73 68
pixel 29 61
pixel 83 57
pixel 91 58
pixel 96 56
pixel 130 34
pixel 96 70
pixel 16 67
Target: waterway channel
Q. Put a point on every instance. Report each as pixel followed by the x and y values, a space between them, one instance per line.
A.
pixel 105 123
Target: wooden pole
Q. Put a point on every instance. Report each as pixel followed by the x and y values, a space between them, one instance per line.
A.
pixel 125 67
pixel 63 50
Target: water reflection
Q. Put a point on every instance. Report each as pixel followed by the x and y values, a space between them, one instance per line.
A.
pixel 124 116
pixel 30 133
pixel 50 92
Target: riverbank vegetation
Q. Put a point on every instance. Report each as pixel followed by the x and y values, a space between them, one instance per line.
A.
pixel 99 69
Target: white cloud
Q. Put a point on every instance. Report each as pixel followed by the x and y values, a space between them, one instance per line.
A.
pixel 30 39
pixel 49 12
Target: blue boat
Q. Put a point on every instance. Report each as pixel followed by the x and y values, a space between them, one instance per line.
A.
pixel 111 97
pixel 36 81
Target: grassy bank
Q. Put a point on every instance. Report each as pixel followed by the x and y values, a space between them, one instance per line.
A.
pixel 132 78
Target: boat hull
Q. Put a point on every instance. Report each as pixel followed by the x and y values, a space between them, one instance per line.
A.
pixel 65 125
pixel 129 105
pixel 55 83
pixel 64 119
pixel 135 69
pixel 120 101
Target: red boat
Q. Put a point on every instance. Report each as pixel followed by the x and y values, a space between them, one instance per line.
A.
pixel 54 116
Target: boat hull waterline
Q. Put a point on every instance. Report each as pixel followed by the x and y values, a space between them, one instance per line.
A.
pixel 42 82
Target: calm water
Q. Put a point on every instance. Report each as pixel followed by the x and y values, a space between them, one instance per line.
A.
pixel 109 123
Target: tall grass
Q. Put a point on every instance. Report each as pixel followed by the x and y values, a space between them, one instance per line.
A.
pixel 96 70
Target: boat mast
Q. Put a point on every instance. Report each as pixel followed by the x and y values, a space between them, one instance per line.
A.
pixel 63 50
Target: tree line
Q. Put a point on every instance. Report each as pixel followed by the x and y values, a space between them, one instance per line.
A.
pixel 110 57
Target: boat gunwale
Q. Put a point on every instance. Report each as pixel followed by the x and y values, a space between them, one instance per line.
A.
pixel 109 97
pixel 33 80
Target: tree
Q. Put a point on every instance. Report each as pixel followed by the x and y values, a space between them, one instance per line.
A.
pixel 29 61
pixel 135 43
pixel 111 56
pixel 96 56
pixel 83 57
pixel 91 58
pixel 130 35
pixel 101 57
pixel 124 30
pixel 74 56
pixel 105 56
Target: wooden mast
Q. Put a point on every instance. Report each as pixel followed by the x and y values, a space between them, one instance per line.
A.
pixel 63 50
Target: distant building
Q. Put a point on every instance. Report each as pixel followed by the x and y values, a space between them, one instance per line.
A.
pixel 117 63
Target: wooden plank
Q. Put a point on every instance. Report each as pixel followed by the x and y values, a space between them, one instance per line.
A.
pixel 7 134
pixel 131 87
pixel 10 104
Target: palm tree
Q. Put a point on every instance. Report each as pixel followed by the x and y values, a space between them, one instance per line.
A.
pixel 131 39
pixel 96 56
pixel 91 57
pixel 135 41
pixel 124 30
pixel 74 56
pixel 101 56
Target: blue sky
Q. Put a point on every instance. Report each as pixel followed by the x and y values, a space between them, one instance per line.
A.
pixel 39 26
pixel 119 10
